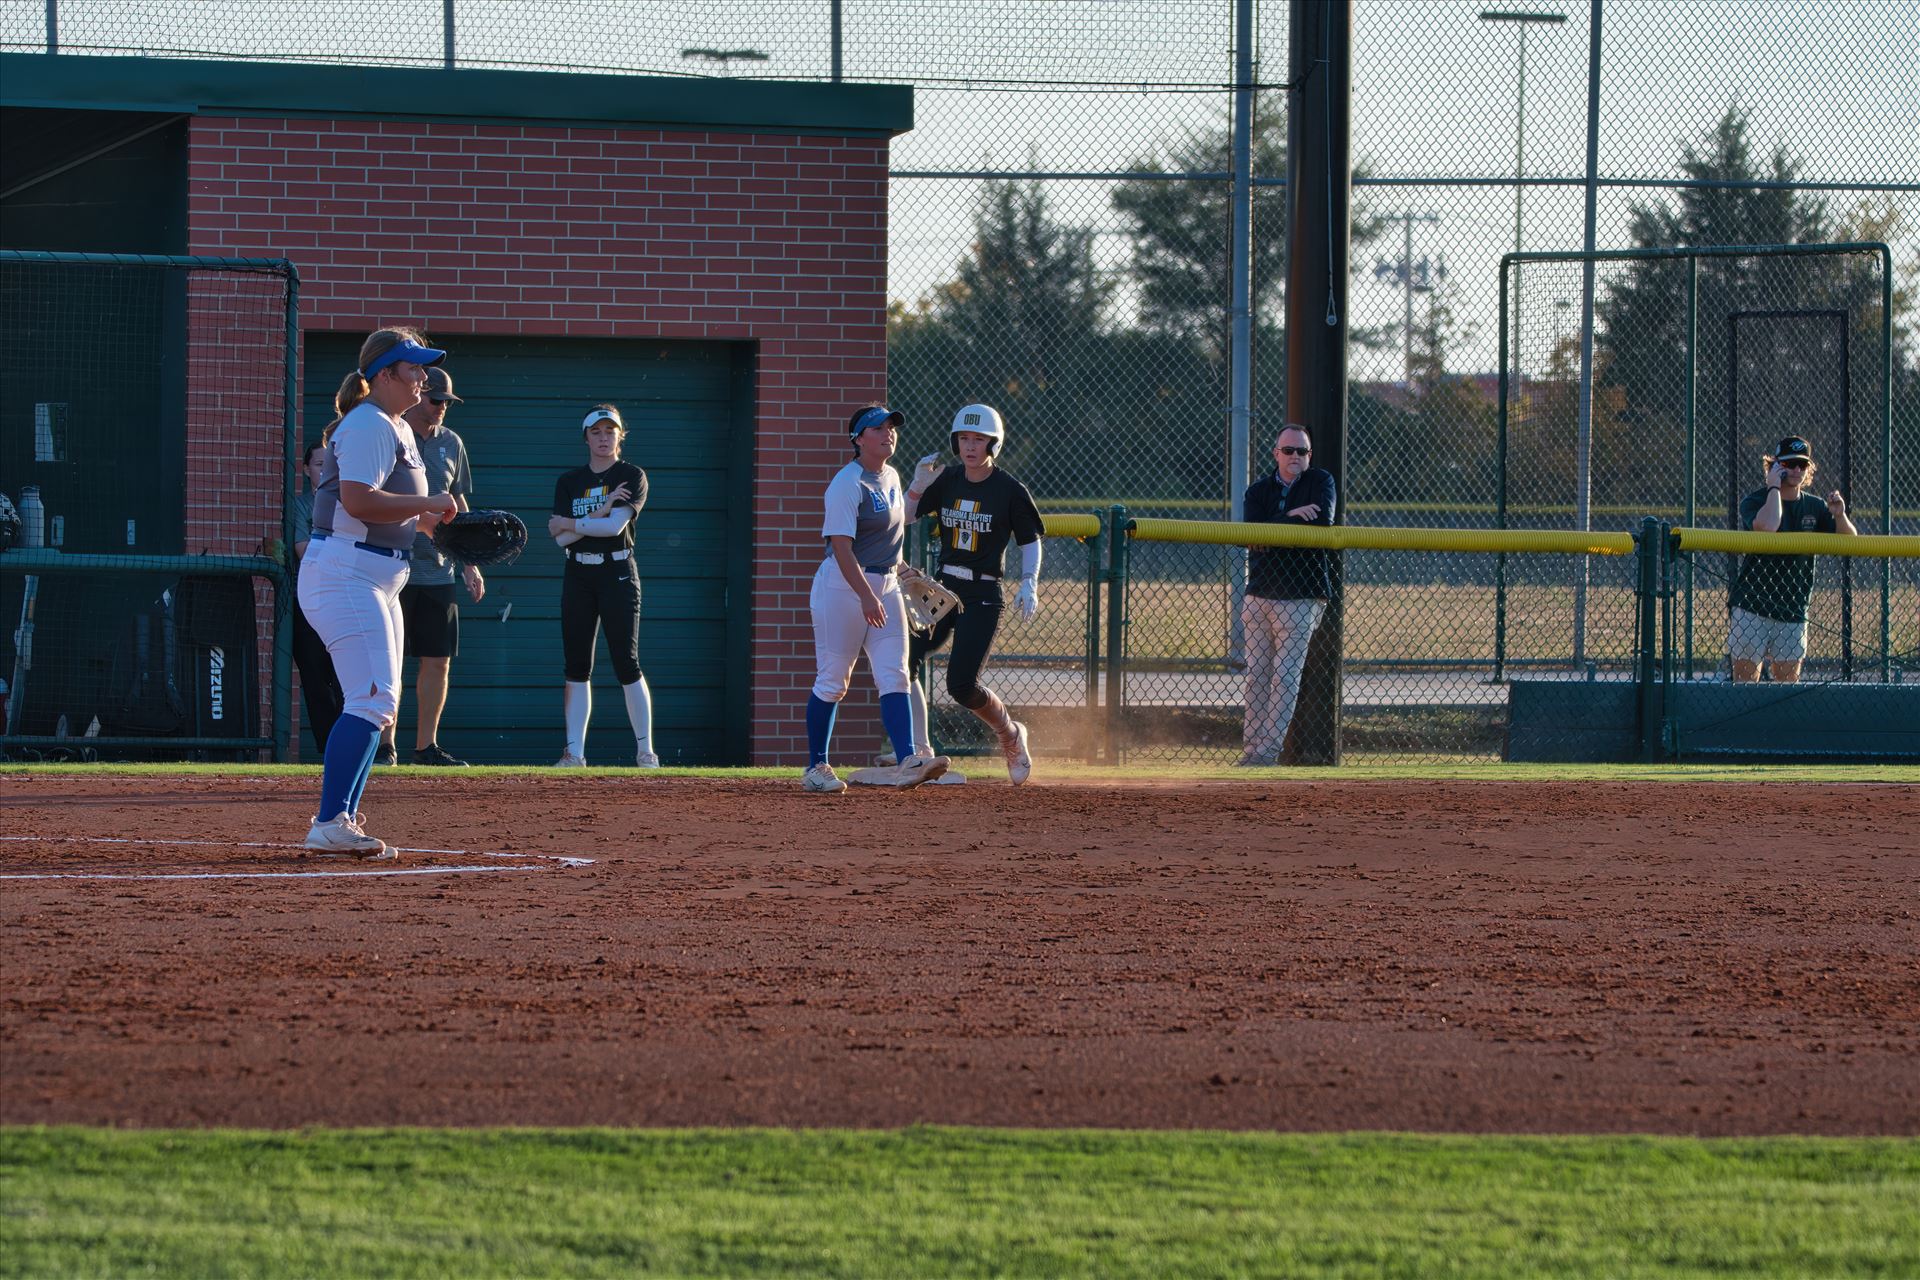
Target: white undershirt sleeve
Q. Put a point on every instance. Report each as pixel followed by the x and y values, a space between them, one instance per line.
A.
pixel 1030 559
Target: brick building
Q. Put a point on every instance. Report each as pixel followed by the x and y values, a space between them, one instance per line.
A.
pixel 709 254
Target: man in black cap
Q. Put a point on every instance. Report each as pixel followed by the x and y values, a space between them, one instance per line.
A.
pixel 429 605
pixel 1768 620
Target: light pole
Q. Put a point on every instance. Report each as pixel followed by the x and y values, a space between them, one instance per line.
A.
pixel 1523 19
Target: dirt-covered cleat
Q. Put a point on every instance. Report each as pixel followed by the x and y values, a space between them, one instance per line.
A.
pixel 342 837
pixel 951 778
pixel 1019 759
pixel 645 760
pixel 915 770
pixel 886 761
pixel 822 778
pixel 570 761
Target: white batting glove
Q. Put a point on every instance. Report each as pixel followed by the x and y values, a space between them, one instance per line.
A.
pixel 925 472
pixel 1028 599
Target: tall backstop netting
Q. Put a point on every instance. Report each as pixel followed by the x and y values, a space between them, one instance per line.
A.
pixel 146 428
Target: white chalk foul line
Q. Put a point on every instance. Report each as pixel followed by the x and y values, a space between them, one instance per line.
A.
pixel 559 859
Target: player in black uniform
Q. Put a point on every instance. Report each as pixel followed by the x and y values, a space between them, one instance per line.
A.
pixel 593 510
pixel 981 508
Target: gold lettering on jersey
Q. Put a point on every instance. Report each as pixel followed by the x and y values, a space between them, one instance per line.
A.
pixel 590 501
pixel 968 522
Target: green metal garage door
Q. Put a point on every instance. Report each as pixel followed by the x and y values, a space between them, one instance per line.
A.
pixel 689 427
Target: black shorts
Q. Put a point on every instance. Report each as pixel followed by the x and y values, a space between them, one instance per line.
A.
pixel 431 616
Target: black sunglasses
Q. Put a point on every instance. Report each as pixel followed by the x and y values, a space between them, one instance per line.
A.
pixel 1794 464
pixel 1295 450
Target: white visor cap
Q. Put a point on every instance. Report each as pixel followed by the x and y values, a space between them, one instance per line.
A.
pixel 603 415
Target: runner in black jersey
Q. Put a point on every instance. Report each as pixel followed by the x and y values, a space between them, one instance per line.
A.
pixel 593 510
pixel 980 510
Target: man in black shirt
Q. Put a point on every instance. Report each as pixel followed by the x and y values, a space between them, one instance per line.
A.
pixel 1767 618
pixel 1287 591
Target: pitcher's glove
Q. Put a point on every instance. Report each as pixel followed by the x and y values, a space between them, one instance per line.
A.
pixel 927 601
pixel 482 537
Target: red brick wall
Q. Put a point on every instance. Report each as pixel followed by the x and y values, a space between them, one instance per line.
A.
pixel 622 233
pixel 236 415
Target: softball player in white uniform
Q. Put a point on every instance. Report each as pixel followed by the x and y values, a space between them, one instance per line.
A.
pixel 856 602
pixel 371 499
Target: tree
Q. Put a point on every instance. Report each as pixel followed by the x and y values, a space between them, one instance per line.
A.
pixel 1642 318
pixel 1020 326
pixel 1181 232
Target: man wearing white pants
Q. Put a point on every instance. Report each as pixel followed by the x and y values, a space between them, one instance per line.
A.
pixel 1287 592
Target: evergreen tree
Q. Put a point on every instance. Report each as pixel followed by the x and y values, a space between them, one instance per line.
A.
pixel 1642 318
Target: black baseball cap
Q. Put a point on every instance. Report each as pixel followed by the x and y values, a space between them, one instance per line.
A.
pixel 1791 447
pixel 440 385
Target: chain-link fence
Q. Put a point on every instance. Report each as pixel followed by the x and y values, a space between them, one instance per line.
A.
pixel 1060 246
pixel 145 600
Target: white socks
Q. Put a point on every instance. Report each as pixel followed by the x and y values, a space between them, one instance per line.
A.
pixel 639 712
pixel 579 702
pixel 922 733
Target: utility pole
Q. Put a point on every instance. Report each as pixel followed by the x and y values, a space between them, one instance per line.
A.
pixel 1405 272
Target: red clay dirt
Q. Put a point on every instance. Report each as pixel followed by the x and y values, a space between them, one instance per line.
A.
pixel 1464 957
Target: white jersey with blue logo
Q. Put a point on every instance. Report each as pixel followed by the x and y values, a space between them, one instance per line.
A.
pixel 867 507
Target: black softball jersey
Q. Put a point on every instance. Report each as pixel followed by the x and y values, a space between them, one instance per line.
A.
pixel 582 491
pixel 978 520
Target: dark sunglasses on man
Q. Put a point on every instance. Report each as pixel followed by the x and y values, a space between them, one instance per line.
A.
pixel 1295 451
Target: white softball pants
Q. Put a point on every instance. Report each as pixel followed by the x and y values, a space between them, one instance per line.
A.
pixel 840 632
pixel 1277 632
pixel 352 598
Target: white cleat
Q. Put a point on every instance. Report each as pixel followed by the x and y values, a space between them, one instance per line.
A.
pixel 341 837
pixel 821 778
pixel 1019 759
pixel 951 778
pixel 644 760
pixel 886 761
pixel 570 761
pixel 915 770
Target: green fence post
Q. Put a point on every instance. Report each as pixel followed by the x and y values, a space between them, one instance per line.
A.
pixel 1096 548
pixel 1647 597
pixel 1886 458
pixel 1693 390
pixel 1117 540
pixel 1669 658
pixel 1500 491
pixel 283 602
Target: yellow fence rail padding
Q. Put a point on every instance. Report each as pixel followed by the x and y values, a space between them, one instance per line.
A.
pixel 1064 526
pixel 1356 537
pixel 1747 541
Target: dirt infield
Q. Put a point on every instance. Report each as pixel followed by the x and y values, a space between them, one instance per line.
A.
pixel 1716 959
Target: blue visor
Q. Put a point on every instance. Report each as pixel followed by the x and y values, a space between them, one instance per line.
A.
pixel 875 416
pixel 410 351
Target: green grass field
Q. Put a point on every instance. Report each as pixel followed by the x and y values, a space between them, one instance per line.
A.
pixel 948 1202
pixel 1445 622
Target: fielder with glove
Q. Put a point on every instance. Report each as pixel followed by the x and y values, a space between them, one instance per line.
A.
pixel 981 509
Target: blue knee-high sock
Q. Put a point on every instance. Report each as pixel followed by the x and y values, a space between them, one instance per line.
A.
pixel 348 760
pixel 820 714
pixel 896 713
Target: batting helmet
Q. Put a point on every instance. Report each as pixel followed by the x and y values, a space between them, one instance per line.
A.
pixel 9 523
pixel 983 419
